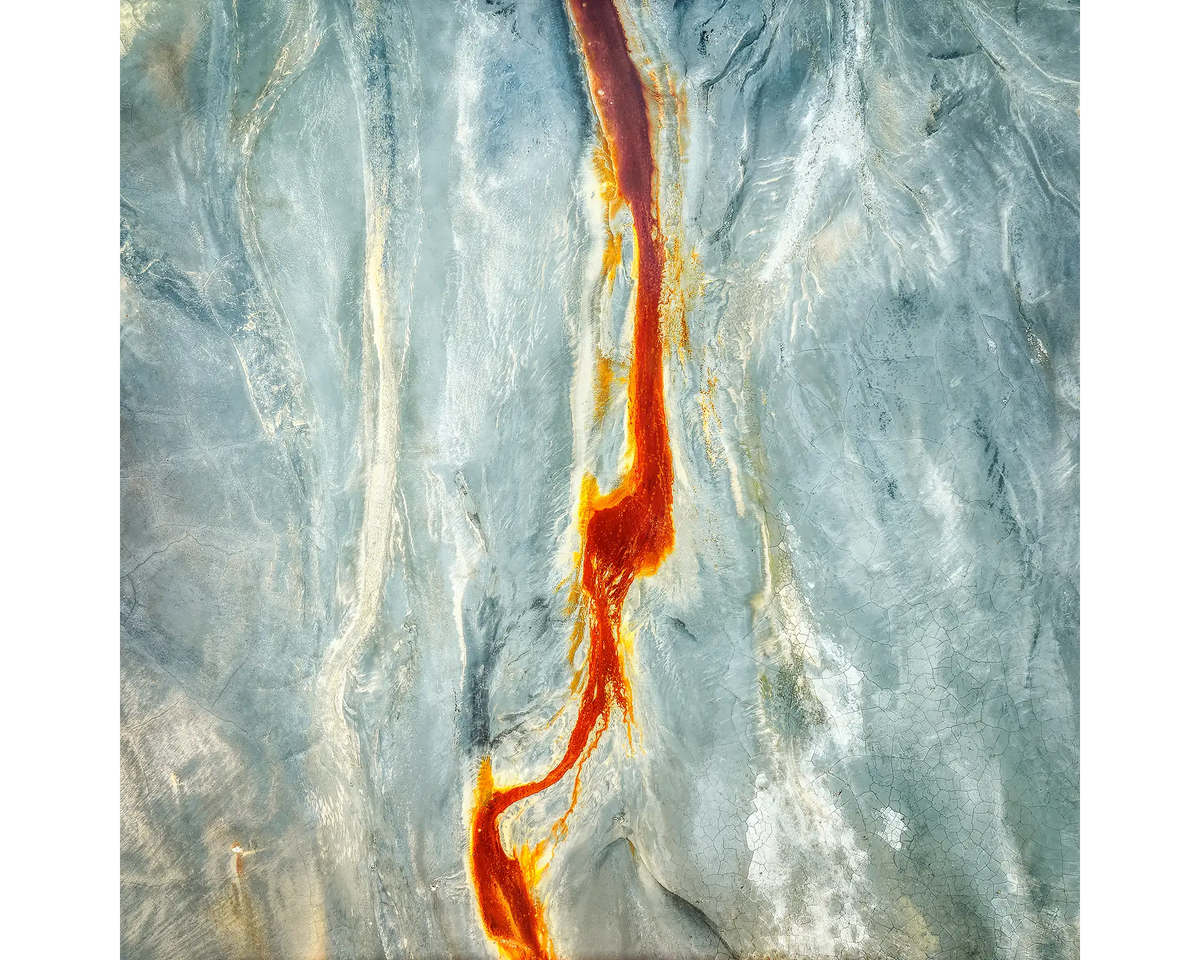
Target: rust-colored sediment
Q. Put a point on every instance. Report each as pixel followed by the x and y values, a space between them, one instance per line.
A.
pixel 627 532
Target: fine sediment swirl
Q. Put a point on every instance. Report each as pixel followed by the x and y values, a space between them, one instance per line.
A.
pixel 626 532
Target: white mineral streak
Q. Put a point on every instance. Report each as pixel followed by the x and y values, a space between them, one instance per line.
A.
pixel 832 134
pixel 390 193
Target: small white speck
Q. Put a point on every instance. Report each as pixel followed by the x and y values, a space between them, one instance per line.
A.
pixel 893 827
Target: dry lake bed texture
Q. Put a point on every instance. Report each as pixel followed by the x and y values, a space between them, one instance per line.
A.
pixel 600 480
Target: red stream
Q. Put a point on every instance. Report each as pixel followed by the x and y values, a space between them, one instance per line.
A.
pixel 626 532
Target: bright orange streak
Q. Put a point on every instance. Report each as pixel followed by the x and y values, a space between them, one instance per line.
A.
pixel 627 532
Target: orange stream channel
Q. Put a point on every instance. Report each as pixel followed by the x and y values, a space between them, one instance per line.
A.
pixel 627 532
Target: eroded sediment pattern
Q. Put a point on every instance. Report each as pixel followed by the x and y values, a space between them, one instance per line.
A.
pixel 600 479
